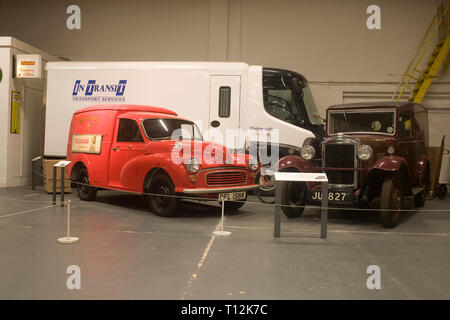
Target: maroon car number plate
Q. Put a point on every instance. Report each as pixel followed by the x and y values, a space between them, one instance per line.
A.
pixel 332 196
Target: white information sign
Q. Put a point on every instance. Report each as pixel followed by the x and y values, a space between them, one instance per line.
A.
pixel 301 176
pixel 62 163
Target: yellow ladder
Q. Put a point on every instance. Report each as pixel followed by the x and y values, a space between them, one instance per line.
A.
pixel 440 25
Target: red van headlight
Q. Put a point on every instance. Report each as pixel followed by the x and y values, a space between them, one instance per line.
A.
pixel 192 165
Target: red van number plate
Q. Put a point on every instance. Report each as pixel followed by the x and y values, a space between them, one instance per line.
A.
pixel 232 196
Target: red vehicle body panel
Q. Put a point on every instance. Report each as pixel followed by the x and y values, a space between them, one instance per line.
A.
pixel 125 165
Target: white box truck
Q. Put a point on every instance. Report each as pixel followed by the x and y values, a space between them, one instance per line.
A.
pixel 219 96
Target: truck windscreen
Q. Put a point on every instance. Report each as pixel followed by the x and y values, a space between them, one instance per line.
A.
pixel 286 98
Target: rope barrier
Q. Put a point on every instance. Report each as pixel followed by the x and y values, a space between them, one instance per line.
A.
pixel 253 202
pixel 28 211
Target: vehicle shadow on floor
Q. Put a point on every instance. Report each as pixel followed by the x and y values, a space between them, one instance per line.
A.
pixel 139 204
pixel 352 217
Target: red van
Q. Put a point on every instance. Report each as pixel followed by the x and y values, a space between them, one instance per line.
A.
pixel 151 150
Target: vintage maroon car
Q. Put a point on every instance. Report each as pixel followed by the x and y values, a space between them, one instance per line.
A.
pixel 374 155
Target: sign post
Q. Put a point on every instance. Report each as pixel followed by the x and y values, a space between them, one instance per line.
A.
pixel 283 177
pixel 61 164
pixel 33 172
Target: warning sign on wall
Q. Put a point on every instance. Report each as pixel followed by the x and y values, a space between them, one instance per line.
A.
pixel 28 65
pixel 15 112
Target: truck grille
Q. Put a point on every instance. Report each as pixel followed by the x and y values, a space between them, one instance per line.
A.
pixel 226 178
pixel 340 156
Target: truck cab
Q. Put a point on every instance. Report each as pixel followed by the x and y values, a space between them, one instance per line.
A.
pixel 152 151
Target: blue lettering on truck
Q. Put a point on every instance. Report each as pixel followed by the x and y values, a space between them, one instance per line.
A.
pixel 95 91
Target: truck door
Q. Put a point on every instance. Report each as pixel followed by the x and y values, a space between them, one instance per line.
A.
pixel 224 108
pixel 127 145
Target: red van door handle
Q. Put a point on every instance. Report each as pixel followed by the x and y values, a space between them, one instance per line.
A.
pixel 116 149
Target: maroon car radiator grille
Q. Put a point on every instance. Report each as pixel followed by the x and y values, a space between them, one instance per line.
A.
pixel 340 156
pixel 226 178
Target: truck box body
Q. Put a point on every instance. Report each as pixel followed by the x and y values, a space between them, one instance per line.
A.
pixel 192 89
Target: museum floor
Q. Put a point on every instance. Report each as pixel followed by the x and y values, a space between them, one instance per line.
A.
pixel 125 252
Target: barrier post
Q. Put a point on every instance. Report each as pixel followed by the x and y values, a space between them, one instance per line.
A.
pixel 54 186
pixel 68 238
pixel 221 232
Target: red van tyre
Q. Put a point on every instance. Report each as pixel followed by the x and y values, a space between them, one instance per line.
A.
pixel 85 192
pixel 161 205
pixel 390 198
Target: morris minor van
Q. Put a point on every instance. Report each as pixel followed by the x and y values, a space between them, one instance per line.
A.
pixel 152 151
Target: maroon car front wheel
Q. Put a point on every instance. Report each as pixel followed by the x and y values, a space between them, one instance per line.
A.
pixel 293 198
pixel 391 202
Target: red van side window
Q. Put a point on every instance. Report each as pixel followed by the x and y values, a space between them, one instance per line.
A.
pixel 129 131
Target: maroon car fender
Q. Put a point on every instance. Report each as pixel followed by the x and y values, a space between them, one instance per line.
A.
pixel 389 163
pixel 293 162
pixel 380 169
pixel 422 170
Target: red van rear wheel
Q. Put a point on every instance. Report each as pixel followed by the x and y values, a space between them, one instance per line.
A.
pixel 85 192
pixel 165 204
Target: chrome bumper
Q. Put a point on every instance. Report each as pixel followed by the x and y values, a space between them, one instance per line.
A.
pixel 219 190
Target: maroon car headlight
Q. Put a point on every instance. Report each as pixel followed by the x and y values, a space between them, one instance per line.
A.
pixel 308 152
pixel 365 152
pixel 192 165
pixel 390 150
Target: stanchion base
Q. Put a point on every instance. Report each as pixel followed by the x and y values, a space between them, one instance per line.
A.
pixel 221 233
pixel 68 239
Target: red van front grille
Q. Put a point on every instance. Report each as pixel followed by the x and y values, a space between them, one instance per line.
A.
pixel 226 178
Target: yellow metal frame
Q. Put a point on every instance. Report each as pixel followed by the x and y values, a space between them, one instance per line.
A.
pixel 423 81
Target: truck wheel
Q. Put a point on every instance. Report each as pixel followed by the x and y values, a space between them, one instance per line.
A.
pixel 293 194
pixel 161 205
pixel 391 198
pixel 84 191
pixel 232 206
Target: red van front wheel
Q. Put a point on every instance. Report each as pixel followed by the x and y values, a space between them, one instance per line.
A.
pixel 84 190
pixel 165 204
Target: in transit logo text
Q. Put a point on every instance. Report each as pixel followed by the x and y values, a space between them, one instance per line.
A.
pixel 98 91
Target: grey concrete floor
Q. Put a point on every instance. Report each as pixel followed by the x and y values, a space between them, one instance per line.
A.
pixel 125 252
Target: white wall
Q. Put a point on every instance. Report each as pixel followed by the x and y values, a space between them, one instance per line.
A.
pixel 17 150
pixel 4 111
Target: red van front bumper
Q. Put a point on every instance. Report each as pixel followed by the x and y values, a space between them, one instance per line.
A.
pixel 215 190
